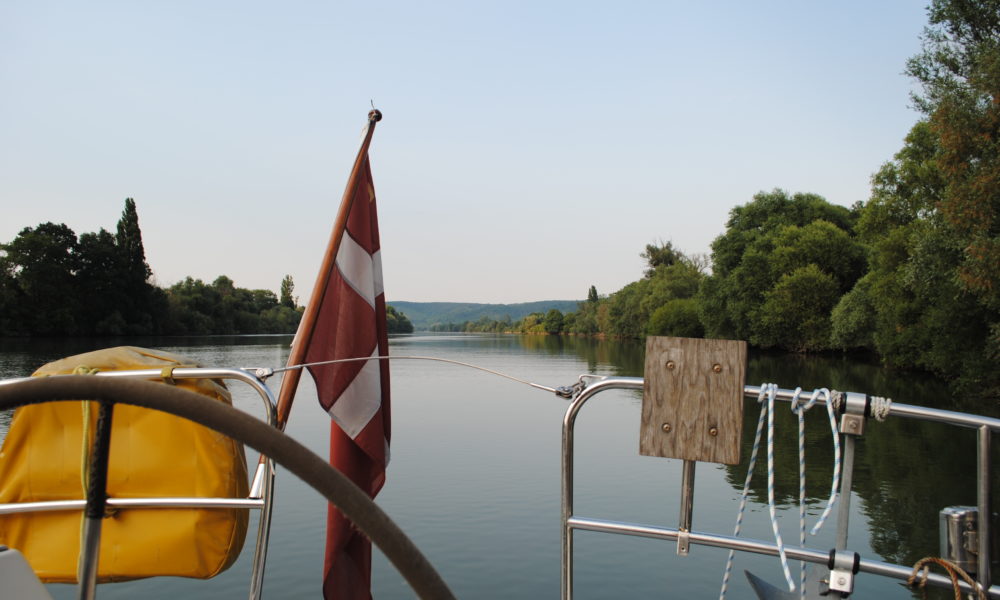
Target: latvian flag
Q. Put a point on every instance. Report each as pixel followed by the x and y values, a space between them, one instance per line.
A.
pixel 351 324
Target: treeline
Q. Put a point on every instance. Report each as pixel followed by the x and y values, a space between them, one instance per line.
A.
pixel 912 275
pixel 53 283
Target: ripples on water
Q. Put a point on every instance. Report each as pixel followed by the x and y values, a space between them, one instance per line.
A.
pixel 474 478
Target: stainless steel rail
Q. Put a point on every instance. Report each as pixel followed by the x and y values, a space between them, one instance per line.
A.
pixel 984 425
pixel 261 495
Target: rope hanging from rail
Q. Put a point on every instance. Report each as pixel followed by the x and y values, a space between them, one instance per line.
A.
pixel 800 412
pixel 766 389
pixel 771 508
pixel 837 458
pixel 954 572
pixel 799 407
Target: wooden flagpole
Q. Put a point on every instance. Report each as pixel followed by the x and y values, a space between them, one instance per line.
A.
pixel 290 381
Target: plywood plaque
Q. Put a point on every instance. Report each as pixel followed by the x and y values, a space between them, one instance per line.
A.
pixel 692 402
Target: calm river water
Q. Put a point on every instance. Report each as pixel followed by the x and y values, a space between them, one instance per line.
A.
pixel 474 477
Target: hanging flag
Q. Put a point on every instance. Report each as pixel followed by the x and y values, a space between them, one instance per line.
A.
pixel 345 319
pixel 351 324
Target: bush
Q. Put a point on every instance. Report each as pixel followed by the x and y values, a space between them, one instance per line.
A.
pixel 676 318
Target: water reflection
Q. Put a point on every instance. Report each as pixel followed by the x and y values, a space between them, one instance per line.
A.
pixel 623 358
pixel 906 470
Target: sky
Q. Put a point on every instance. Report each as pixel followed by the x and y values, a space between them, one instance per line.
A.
pixel 528 150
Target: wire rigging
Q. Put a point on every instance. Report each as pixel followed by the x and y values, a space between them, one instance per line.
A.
pixel 430 358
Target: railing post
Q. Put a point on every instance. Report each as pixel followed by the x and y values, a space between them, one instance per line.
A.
pixel 983 501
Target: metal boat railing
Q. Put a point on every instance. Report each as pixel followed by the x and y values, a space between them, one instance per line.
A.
pixel 261 492
pixel 985 426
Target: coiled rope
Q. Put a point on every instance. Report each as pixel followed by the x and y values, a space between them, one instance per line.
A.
pixel 879 407
pixel 954 571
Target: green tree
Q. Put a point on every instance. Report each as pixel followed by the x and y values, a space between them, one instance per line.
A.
pixel 9 297
pixel 626 312
pixel 98 275
pixel 672 282
pixel 657 255
pixel 678 317
pixel 42 262
pixel 553 322
pixel 913 307
pixel 795 314
pixel 134 273
pixel 396 321
pixel 129 241
pixel 852 320
pixel 532 323
pixel 584 320
pixel 287 288
pixel 767 212
pixel 959 69
pixel 770 246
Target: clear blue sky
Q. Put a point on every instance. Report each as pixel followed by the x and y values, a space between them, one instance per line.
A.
pixel 528 150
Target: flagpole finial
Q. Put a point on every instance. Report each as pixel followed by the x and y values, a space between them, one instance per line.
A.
pixel 375 115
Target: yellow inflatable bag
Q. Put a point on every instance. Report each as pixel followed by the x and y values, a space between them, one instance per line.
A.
pixel 153 454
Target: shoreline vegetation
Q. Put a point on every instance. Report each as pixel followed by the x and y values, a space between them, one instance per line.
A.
pixel 912 275
pixel 53 283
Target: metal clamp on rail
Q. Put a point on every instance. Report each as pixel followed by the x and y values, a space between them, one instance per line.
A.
pixel 855 407
pixel 843 566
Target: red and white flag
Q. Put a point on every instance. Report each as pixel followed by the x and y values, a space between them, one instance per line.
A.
pixel 346 319
pixel 351 324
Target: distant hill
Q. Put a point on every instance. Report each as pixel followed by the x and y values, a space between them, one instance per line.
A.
pixel 425 314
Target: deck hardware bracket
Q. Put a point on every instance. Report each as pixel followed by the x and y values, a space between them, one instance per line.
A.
pixel 852 422
pixel 683 542
pixel 564 391
pixel 843 566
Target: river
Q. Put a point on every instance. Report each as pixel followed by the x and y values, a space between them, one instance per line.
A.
pixel 474 477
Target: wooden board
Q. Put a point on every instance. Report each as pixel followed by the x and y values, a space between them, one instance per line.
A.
pixel 692 402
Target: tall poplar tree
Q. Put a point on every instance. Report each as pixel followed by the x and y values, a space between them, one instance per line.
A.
pixel 129 242
pixel 135 273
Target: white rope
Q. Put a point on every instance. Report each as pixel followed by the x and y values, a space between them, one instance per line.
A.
pixel 432 358
pixel 829 398
pixel 800 412
pixel 770 488
pixel 880 407
pixel 800 409
pixel 765 389
pixel 769 391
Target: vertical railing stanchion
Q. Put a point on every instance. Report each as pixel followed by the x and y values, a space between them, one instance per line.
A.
pixel 687 508
pixel 984 504
pixel 846 481
pixel 566 584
